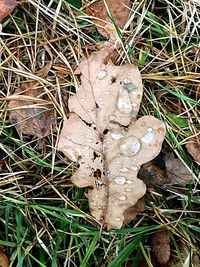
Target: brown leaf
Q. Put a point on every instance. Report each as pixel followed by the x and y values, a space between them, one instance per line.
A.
pixel 152 174
pixel 194 150
pixel 120 10
pixel 177 172
pixel 160 246
pixel 4 262
pixel 185 251
pixel 133 211
pixel 29 111
pixel 103 136
pixel 6 7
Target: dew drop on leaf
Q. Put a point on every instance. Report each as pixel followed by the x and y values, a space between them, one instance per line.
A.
pixel 117 135
pixel 120 180
pixel 130 146
pixel 134 168
pixel 122 198
pixel 124 103
pixel 147 137
pixel 129 85
pixel 102 74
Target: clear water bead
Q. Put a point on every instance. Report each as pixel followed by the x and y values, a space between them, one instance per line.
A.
pixel 122 198
pixel 134 168
pixel 130 146
pixel 124 103
pixel 147 137
pixel 112 117
pixel 129 85
pixel 116 135
pixel 102 74
pixel 120 180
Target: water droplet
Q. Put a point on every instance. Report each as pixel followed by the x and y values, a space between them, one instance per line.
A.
pixel 124 170
pixel 82 99
pixel 134 114
pixel 117 135
pixel 120 180
pixel 112 117
pixel 118 162
pixel 128 189
pixel 89 110
pixel 126 81
pixel 130 146
pixel 118 219
pixel 124 102
pixel 102 74
pixel 129 182
pixel 100 98
pixel 147 137
pixel 122 198
pixel 149 130
pixel 134 105
pixel 129 85
pixel 107 92
pixel 89 140
pixel 134 168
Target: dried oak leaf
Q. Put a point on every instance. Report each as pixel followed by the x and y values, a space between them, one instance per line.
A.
pixel 160 246
pixel 194 150
pixel 120 10
pixel 177 172
pixel 103 136
pixel 29 111
pixel 6 7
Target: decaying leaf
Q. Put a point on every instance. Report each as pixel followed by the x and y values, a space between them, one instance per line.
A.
pixel 29 111
pixel 104 137
pixel 4 262
pixel 152 174
pixel 194 150
pixel 6 7
pixel 133 211
pixel 160 246
pixel 120 10
pixel 177 172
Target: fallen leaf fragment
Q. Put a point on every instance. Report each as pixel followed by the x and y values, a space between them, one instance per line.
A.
pixel 152 174
pixel 120 10
pixel 6 7
pixel 29 112
pixel 194 150
pixel 177 172
pixel 185 252
pixel 133 211
pixel 4 262
pixel 160 246
pixel 104 137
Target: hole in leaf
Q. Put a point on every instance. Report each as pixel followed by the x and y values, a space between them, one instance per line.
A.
pixel 97 173
pixel 95 155
pixel 105 131
pixel 113 79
